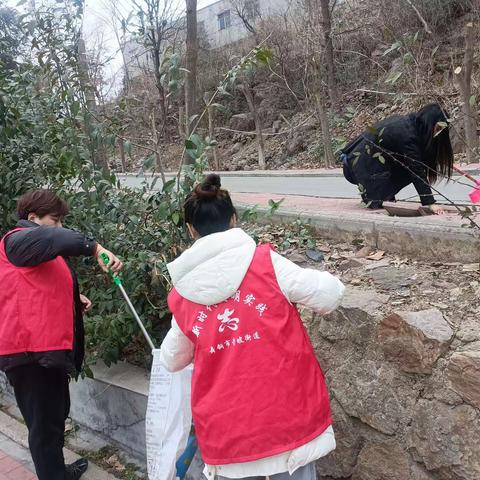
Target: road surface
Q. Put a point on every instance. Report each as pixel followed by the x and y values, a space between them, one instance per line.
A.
pixel 312 186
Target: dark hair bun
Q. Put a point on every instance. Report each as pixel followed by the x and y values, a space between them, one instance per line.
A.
pixel 212 179
pixel 209 188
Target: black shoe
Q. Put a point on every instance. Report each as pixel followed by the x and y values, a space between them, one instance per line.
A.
pixel 76 469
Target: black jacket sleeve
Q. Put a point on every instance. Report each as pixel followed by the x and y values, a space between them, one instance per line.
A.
pixel 32 246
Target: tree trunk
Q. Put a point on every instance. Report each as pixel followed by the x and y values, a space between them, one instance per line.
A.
pixel 191 63
pixel 156 58
pixel 465 83
pixel 97 149
pixel 249 97
pixel 181 121
pixel 158 158
pixel 121 145
pixel 211 129
pixel 328 48
pixel 329 157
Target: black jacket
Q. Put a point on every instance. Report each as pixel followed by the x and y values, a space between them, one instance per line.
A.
pixel 389 157
pixel 33 246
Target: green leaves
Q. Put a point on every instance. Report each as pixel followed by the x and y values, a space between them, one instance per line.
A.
pixel 44 143
pixel 274 206
pixel 379 157
pixel 263 55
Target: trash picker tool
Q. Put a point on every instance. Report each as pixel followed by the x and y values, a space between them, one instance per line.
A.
pixel 186 458
pixel 118 283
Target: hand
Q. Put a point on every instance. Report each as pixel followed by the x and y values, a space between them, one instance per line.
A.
pixel 436 209
pixel 86 303
pixel 115 264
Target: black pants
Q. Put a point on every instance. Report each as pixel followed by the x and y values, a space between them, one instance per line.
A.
pixel 44 399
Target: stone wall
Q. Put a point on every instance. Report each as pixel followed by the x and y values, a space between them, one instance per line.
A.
pixel 405 389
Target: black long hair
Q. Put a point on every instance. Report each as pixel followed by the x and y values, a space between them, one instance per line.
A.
pixel 209 207
pixel 437 148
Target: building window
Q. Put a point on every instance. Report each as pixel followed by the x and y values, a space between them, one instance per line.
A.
pixel 224 20
pixel 252 9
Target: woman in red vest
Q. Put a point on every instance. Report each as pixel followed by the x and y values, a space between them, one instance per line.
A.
pixel 259 400
pixel 41 326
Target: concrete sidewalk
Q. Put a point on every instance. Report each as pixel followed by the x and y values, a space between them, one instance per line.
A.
pixel 15 459
pixel 431 237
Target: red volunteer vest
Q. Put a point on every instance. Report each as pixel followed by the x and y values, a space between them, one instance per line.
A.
pixel 257 387
pixel 36 306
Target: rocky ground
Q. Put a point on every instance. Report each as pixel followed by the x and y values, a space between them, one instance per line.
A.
pixel 402 360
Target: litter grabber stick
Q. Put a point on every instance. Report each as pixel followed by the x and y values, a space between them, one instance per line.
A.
pixel 186 458
pixel 118 283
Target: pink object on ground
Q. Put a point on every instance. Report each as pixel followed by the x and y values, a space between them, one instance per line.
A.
pixel 475 194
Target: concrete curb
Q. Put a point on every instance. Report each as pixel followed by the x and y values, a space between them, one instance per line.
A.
pixel 18 433
pixel 404 236
pixel 274 173
pixel 249 173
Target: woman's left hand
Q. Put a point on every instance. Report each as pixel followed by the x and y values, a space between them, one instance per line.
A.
pixel 436 209
pixel 86 303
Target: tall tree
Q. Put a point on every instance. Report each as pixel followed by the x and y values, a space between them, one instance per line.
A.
pixel 158 26
pixel 464 77
pixel 326 23
pixel 96 146
pixel 191 63
pixel 317 64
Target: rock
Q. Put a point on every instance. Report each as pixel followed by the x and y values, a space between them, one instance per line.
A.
pixel 341 462
pixel 469 330
pixel 377 256
pixel 236 148
pixel 364 252
pixel 376 394
pixel 242 121
pixel 356 318
pixel 380 264
pixel 446 440
pixel 382 461
pixel 296 145
pixel 392 278
pixel 414 340
pixel 418 472
pixel 315 255
pixel 351 263
pixel 464 375
pixel 437 386
pixel 297 258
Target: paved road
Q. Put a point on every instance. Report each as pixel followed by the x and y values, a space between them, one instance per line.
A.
pixel 326 186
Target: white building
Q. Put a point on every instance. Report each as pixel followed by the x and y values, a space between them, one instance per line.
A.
pixel 222 23
pixel 219 24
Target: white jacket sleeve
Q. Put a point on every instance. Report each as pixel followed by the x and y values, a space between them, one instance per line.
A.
pixel 319 291
pixel 177 350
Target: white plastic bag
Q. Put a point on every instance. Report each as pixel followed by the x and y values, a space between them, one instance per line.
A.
pixel 168 420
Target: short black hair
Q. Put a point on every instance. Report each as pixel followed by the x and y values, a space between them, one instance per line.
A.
pixel 41 203
pixel 209 208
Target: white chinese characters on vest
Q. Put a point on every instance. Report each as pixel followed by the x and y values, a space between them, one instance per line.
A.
pixel 229 322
